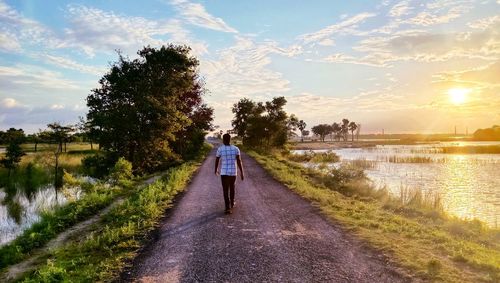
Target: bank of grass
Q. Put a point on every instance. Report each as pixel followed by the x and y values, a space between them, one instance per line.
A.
pixel 424 240
pixel 54 222
pixel 37 170
pixel 103 254
pixel 315 157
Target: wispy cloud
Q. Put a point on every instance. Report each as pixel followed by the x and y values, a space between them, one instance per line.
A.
pixel 242 69
pixel 400 9
pixel 196 14
pixel 95 30
pixel 345 26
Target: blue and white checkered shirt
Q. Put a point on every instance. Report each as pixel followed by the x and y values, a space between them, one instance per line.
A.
pixel 227 154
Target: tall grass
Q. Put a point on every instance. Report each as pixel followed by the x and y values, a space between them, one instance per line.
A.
pixel 433 246
pixel 102 255
pixel 315 157
pixel 54 222
pixel 409 159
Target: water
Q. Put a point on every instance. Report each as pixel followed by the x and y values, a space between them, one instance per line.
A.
pixel 469 184
pixel 44 199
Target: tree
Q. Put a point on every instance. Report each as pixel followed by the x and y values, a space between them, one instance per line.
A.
pixel 261 124
pixel 144 105
pixel 337 131
pixel 302 126
pixel 60 134
pixel 345 128
pixel 292 124
pixel 12 157
pixel 322 130
pixel 352 127
pixel 304 133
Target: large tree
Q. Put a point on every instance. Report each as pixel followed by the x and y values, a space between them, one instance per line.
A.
pixel 144 105
pixel 261 124
pixel 322 130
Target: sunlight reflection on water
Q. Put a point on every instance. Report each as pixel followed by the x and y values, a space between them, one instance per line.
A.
pixel 468 184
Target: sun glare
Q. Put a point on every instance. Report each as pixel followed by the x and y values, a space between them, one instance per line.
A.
pixel 458 95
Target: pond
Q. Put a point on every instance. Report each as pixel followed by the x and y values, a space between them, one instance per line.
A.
pixel 469 184
pixel 44 199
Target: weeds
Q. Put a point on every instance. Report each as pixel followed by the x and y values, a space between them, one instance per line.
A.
pixel 315 157
pixel 434 246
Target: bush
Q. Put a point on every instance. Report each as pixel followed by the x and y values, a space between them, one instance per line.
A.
pixel 122 172
pixel 98 165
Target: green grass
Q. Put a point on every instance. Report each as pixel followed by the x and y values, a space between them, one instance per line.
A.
pixel 53 223
pixel 430 245
pixel 315 157
pixel 103 254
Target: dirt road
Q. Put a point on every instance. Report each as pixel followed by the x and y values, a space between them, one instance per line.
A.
pixel 273 235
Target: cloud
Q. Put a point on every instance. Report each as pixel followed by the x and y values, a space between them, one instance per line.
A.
pixel 400 9
pixel 485 23
pixel 440 12
pixel 93 30
pixel 195 14
pixel 32 118
pixel 33 77
pixel 70 64
pixel 346 26
pixel 9 42
pixel 430 47
pixel 9 103
pixel 18 30
pixel 242 69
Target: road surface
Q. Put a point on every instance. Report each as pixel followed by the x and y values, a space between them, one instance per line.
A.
pixel 273 235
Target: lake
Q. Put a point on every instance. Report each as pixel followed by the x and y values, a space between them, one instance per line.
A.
pixel 469 184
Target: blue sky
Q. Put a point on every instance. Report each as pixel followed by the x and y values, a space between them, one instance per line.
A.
pixel 384 64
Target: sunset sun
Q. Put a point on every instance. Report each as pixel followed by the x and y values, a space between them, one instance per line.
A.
pixel 458 95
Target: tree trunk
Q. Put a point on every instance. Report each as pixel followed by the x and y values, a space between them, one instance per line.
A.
pixel 91 146
pixel 36 144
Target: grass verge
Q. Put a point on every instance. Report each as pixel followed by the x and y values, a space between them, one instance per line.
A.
pixel 103 254
pixel 53 223
pixel 433 248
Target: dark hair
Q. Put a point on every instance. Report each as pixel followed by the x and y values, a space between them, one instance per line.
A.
pixel 226 138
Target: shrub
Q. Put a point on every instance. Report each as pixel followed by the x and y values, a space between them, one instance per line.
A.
pixel 122 172
pixel 98 165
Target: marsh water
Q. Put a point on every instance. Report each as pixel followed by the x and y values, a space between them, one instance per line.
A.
pixel 468 184
pixel 43 200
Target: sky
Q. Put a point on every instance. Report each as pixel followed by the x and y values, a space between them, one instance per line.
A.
pixel 402 66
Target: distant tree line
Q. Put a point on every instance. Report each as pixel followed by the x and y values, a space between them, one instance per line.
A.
pixel 488 134
pixel 337 131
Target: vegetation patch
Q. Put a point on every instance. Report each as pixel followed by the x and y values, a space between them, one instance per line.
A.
pixel 103 254
pixel 315 157
pixel 54 222
pixel 432 245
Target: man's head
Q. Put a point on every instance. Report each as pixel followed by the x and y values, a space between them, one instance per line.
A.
pixel 226 139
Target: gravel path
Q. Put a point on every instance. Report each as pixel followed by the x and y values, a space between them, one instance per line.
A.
pixel 273 235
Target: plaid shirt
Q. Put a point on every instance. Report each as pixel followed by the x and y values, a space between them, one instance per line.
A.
pixel 227 154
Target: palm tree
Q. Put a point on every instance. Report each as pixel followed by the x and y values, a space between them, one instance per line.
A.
pixel 345 128
pixel 302 126
pixel 336 130
pixel 352 127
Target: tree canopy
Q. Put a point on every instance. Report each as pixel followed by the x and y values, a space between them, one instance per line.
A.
pixel 147 109
pixel 262 124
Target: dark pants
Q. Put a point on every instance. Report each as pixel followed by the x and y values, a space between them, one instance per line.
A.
pixel 228 188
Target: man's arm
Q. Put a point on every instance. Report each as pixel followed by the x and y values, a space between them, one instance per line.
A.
pixel 216 164
pixel 240 165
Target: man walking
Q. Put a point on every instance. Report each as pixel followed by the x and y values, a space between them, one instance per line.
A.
pixel 229 155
